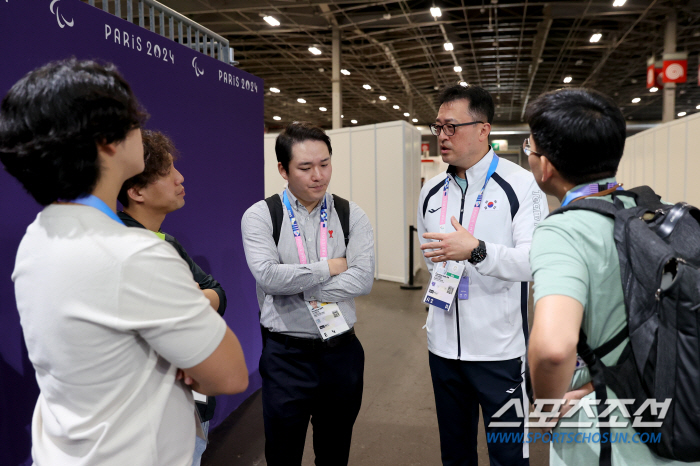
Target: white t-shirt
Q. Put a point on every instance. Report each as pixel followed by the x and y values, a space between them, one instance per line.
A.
pixel 108 314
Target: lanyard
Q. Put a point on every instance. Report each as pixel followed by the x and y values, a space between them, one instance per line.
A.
pixel 477 205
pixel 94 201
pixel 297 234
pixel 587 190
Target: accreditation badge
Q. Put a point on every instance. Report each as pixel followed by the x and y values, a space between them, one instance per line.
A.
pixel 328 319
pixel 444 284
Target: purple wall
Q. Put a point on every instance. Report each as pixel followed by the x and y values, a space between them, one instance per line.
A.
pixel 216 124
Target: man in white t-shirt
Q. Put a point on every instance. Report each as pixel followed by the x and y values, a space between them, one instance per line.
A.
pixel 109 313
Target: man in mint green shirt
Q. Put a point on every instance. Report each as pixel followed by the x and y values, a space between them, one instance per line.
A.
pixel 576 142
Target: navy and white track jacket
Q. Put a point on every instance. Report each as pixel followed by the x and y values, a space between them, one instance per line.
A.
pixel 492 324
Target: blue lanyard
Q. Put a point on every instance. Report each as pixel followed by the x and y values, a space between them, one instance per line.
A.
pixel 94 201
pixel 477 205
pixel 586 191
pixel 297 234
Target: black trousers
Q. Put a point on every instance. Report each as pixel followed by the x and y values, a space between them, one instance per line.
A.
pixel 324 385
pixel 460 388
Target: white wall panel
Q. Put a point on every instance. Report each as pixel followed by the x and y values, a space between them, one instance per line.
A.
pixel 391 229
pixel 647 141
pixel 692 185
pixel 661 160
pixel 341 160
pixel 363 178
pixel 676 165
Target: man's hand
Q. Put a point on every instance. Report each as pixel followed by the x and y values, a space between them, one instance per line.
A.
pixel 574 395
pixel 456 246
pixel 337 266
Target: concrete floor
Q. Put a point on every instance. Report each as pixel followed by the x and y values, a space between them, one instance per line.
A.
pixel 397 424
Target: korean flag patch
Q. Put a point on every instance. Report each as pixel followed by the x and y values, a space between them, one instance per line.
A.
pixel 490 205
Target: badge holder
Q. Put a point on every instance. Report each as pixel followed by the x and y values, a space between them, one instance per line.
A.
pixel 446 280
pixel 328 319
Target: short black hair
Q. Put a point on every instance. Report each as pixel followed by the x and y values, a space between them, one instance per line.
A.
pixel 294 133
pixel 581 131
pixel 159 153
pixel 480 100
pixel 52 119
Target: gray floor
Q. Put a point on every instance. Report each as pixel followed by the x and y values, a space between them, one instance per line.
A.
pixel 397 423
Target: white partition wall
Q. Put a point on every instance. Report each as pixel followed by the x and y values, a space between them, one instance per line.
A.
pixel 666 157
pixel 377 167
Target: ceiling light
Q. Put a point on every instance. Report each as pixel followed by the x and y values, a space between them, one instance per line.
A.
pixel 396 107
pixel 301 101
pixel 316 51
pixel 568 79
pixel 653 89
pixel 276 118
pixel 345 72
pixel 463 84
pixel 458 69
pixel 619 2
pixel 342 116
pixel 382 97
pixel 323 109
pixel 275 90
pixel 415 120
pixel 406 114
pixel 354 122
pixel 681 114
pixel 448 46
pixel 636 100
pixel 596 37
pixel 435 11
pixel 367 86
pixel 698 107
pixel 579 62
pixel 271 21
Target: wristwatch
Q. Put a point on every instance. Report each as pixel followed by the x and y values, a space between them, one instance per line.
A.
pixel 478 253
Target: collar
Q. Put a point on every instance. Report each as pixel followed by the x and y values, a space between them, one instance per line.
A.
pixel 131 221
pixel 476 173
pixel 298 206
pixel 600 181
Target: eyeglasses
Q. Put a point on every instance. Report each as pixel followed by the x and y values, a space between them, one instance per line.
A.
pixel 449 129
pixel 528 150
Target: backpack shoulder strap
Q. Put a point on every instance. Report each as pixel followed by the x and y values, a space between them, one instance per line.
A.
pixel 274 204
pixel 342 208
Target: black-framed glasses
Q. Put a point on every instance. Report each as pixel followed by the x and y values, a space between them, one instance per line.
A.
pixel 528 150
pixel 449 128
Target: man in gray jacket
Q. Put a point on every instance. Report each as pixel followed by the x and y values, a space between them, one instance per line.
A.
pixel 308 269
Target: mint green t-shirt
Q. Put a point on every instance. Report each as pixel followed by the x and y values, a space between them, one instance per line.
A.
pixel 574 254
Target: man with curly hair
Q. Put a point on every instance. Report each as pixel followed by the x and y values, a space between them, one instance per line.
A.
pixel 108 313
pixel 147 198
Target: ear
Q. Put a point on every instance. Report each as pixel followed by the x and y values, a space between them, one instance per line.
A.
pixel 135 195
pixel 548 170
pixel 106 150
pixel 485 132
pixel 282 171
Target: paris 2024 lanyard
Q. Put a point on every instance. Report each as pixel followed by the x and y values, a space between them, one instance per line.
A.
pixel 447 276
pixel 327 316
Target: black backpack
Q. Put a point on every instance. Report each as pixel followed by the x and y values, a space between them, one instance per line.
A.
pixel 341 206
pixel 659 249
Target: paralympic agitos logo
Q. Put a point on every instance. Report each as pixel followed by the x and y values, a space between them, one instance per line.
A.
pixel 62 21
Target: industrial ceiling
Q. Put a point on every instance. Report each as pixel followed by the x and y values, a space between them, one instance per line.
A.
pixel 514 49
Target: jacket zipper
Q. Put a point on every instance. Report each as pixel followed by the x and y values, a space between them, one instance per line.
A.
pixel 461 215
